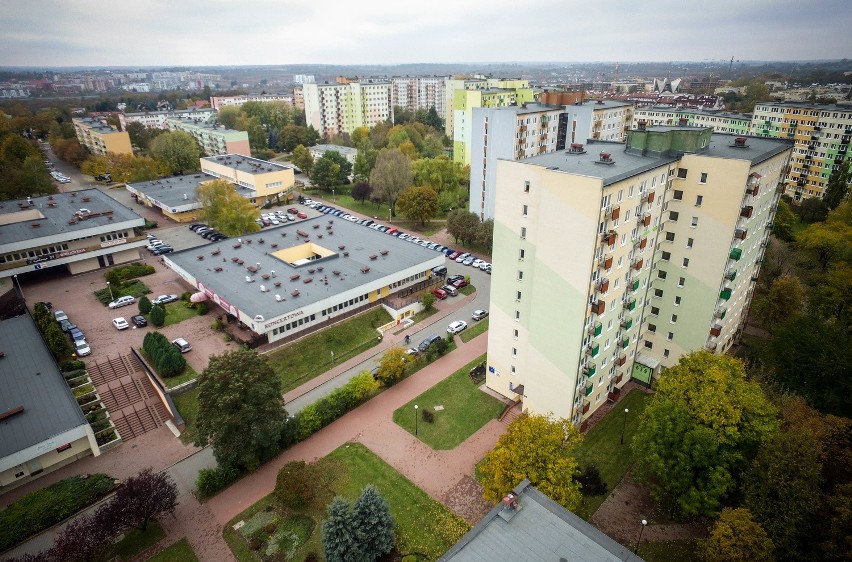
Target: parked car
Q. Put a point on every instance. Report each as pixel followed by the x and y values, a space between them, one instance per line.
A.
pixel 182 345
pixel 163 250
pixel 122 301
pixel 439 270
pixel 450 290
pixel 424 345
pixel 81 348
pixel 459 283
pixel 468 261
pixel 66 325
pixel 456 327
pixel 293 211
pixel 60 315
pixel 120 323
pixel 479 314
pixel 453 255
pixel 440 294
pixel 453 278
pixel 139 321
pixel 163 299
pixel 484 266
pixel 196 226
pixel 462 257
pixel 77 334
pixel 302 215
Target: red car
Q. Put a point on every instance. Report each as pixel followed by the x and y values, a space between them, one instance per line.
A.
pixel 459 283
pixel 302 215
pixel 440 294
pixel 293 211
pixel 453 256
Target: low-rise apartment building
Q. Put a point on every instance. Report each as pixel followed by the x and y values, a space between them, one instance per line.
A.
pixel 261 181
pixel 218 102
pixel 606 120
pixel 101 138
pixel 347 152
pixel 612 260
pixel 213 139
pixel 157 119
pixel 720 121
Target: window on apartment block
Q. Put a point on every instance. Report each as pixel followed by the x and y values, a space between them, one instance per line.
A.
pixel 670 336
pixel 523 232
pixel 677 195
pixel 666 256
pixel 685 262
pixel 655 310
pixel 652 327
pixel 681 172
pixel 514 352
pixel 517 315
pixel 698 200
pixel 525 210
pixel 649 345
pixel 515 334
pixel 674 319
pixel 521 254
pixel 665 353
pixel 689 242
pixel 658 293
pixel 673 215
pixel 677 301
pixel 681 282
pixel 670 236
pixel 520 275
pixel 703 177
pixel 526 187
pixel 518 296
pixel 694 222
pixel 661 274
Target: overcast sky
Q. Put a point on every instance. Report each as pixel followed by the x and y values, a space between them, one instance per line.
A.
pixel 237 32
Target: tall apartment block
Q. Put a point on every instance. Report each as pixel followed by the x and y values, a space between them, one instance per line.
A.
pixel 213 139
pixel 510 92
pixel 612 260
pixel 101 138
pixel 821 132
pixel 420 92
pixel 607 120
pixel 334 109
pixel 512 133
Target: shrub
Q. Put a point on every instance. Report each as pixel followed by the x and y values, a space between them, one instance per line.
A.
pixel 428 416
pixel 428 301
pixel 591 482
pixel 202 308
pixel 212 480
pixel 315 416
pixel 185 296
pixel 44 508
pixel 165 357
pixel 144 305
pixel 158 315
pixel 70 366
pixel 255 543
pixel 295 485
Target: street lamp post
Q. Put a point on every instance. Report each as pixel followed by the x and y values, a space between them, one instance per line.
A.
pixel 415 420
pixel 624 427
pixel 642 528
pixel 111 298
pixel 332 196
pixel 20 290
pixel 390 218
pixel 332 358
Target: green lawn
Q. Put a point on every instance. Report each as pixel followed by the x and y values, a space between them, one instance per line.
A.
pixel 668 551
pixel 187 405
pixel 134 542
pixel 178 552
pixel 424 314
pixel 422 524
pixel 467 290
pixel 187 375
pixel 466 409
pixel 178 312
pixel 300 361
pixel 380 214
pixel 474 329
pixel 602 446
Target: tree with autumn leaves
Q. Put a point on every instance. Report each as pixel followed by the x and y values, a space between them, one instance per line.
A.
pixel 541 449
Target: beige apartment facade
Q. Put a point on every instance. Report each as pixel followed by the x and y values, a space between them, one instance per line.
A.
pixel 101 138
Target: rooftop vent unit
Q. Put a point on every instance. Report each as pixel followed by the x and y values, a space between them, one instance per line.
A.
pixel 278 298
pixel 605 158
pixel 263 289
pixel 249 279
pixel 641 125
pixel 739 142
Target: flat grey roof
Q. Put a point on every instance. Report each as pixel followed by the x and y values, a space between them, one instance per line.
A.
pixel 245 163
pixel 696 111
pixel 809 105
pixel 31 378
pixel 627 164
pixel 16 217
pixel 96 125
pixel 171 191
pixel 525 108
pixel 540 531
pixel 606 104
pixel 201 124
pixel 359 241
pixel 345 150
pixel 176 112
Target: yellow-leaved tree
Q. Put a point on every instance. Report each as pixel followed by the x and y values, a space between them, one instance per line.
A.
pixel 541 449
pixel 226 210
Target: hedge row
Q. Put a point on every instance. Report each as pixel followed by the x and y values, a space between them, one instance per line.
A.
pixel 311 419
pixel 163 355
pixel 44 508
